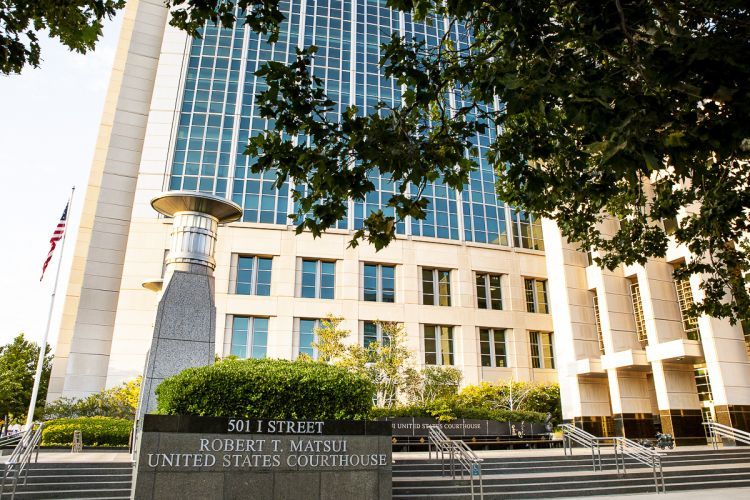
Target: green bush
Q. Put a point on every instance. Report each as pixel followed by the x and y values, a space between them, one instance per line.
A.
pixel 95 431
pixel 507 395
pixel 448 409
pixel 267 388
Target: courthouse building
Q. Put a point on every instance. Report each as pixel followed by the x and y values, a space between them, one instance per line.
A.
pixel 477 284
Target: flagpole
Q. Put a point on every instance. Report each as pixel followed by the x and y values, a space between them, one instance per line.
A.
pixel 43 346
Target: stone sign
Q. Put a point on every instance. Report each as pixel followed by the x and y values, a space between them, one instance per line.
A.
pixel 466 428
pixel 223 458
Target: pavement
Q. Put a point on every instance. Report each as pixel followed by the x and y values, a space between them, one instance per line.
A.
pixel 709 494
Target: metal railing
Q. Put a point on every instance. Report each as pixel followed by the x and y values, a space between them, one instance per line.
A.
pixel 627 448
pixel 18 463
pixel 716 431
pixel 11 439
pixel 573 434
pixel 459 454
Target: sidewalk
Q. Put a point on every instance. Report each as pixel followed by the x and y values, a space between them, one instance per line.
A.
pixel 61 456
pixel 709 494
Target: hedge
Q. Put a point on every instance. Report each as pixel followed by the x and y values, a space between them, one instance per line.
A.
pixel 268 389
pixel 95 431
pixel 446 410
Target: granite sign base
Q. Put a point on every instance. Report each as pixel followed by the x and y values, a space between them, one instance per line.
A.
pixel 184 457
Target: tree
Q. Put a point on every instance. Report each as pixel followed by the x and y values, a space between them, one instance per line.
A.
pixel 18 361
pixel 117 402
pixel 76 23
pixel 632 109
pixel 330 344
pixel 514 395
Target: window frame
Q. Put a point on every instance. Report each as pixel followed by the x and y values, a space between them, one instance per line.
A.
pixel 250 335
pixel 254 274
pixel 534 305
pixel 298 337
pixel 435 283
pixel 487 285
pixel 318 278
pixel 438 338
pixel 379 337
pixel 535 340
pixel 598 322
pixel 636 300
pixel 379 289
pixel 492 347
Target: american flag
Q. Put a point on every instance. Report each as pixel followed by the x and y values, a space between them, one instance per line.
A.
pixel 56 236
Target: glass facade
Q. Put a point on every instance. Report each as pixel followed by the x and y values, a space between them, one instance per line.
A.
pixel 218 115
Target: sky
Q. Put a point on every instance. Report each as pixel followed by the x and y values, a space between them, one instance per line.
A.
pixel 49 121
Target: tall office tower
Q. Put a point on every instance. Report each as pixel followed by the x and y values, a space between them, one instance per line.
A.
pixel 468 282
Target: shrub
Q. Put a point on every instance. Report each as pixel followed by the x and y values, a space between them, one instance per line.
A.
pixel 95 431
pixel 507 395
pixel 118 402
pixel 267 388
pixel 448 409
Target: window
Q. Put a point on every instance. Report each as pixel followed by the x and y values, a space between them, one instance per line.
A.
pixel 489 293
pixel 318 279
pixel 436 287
pixel 598 320
pixel 438 345
pixel 640 322
pixel 527 230
pixel 306 335
pixel 542 355
pixel 373 332
pixel 536 296
pixel 249 337
pixel 492 347
pixel 253 275
pixel 379 283
pixel 685 299
pixel 702 383
pixel 746 332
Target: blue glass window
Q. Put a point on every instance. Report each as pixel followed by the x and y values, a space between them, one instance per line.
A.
pixel 307 337
pixel 379 283
pixel 318 279
pixel 253 276
pixel 249 337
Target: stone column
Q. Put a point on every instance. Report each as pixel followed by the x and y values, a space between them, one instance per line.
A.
pixel 185 324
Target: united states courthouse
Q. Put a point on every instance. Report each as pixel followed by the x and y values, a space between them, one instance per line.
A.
pixel 477 284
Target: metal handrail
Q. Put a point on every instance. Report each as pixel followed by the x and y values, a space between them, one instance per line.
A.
pixel 625 447
pixel 572 434
pixel 18 463
pixel 716 430
pixel 11 439
pixel 459 452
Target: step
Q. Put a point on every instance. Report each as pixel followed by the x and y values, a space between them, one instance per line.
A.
pixel 100 494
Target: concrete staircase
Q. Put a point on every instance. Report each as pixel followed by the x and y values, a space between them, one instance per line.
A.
pixel 554 476
pixel 528 475
pixel 110 480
